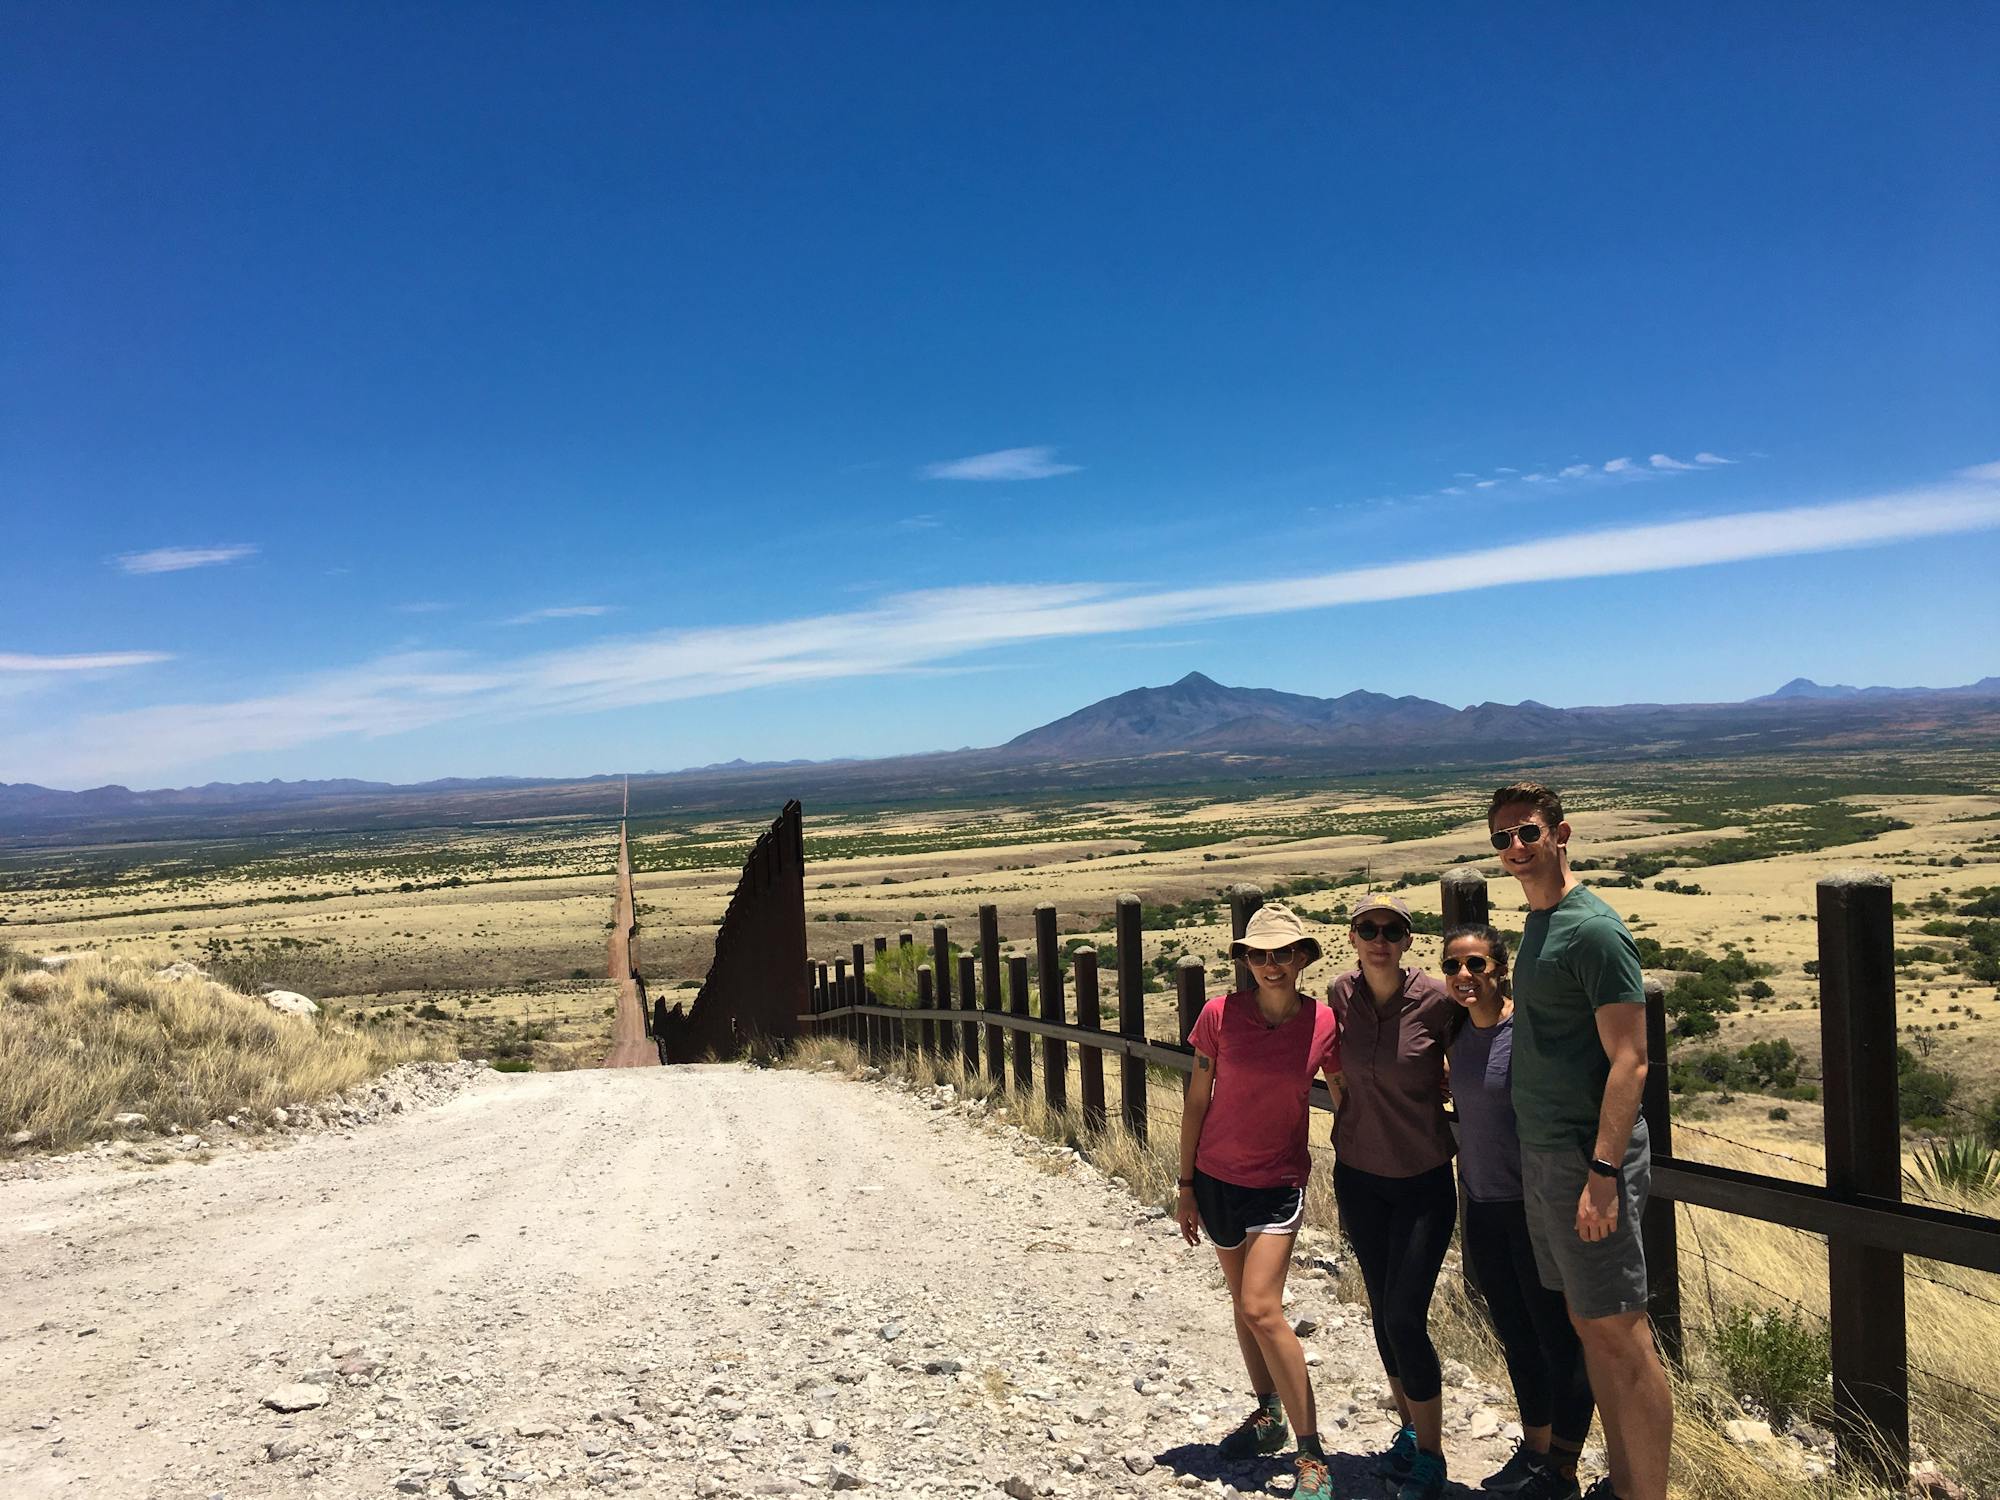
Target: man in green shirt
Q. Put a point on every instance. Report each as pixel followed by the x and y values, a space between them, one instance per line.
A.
pixel 1579 1071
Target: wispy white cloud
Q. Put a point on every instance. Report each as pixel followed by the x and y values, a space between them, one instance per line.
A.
pixel 1486 484
pixel 1662 461
pixel 917 630
pixel 561 612
pixel 1619 466
pixel 180 559
pixel 1981 471
pixel 1575 471
pixel 90 661
pixel 923 522
pixel 1712 458
pixel 1007 463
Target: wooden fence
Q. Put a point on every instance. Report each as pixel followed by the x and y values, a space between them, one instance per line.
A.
pixel 1860 1211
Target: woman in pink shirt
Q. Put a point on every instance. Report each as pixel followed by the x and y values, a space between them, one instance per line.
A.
pixel 1244 1165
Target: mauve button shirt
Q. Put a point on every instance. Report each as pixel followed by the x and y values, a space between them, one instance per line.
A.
pixel 1393 1122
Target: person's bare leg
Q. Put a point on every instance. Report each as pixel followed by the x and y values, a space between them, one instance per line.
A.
pixel 1261 1304
pixel 1633 1401
pixel 1402 1401
pixel 1246 1340
pixel 1537 1438
pixel 1428 1418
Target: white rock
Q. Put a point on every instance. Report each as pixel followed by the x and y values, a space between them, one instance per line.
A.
pixel 1745 1433
pixel 290 1003
pixel 181 971
pixel 130 1119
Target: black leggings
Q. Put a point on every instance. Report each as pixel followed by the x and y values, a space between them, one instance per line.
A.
pixel 1544 1359
pixel 1399 1228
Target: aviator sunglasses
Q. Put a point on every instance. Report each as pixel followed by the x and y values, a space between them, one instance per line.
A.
pixel 1529 833
pixel 1368 931
pixel 1477 963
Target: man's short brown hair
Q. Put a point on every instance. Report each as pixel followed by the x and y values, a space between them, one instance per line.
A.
pixel 1537 796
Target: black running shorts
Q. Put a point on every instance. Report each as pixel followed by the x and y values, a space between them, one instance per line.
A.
pixel 1230 1213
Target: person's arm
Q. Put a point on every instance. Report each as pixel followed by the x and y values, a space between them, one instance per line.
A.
pixel 1200 1089
pixel 1621 1029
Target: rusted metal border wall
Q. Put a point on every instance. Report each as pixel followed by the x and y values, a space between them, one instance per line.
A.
pixel 756 985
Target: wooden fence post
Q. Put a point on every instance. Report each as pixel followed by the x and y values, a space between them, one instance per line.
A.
pixel 927 1030
pixel 1131 1014
pixel 968 1001
pixel 1191 989
pixel 1857 1021
pixel 1659 1231
pixel 1089 1060
pixel 989 987
pixel 1017 994
pixel 907 938
pixel 1243 900
pixel 941 967
pixel 838 997
pixel 1055 1051
pixel 1462 898
pixel 820 991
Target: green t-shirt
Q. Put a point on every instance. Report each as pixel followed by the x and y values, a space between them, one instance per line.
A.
pixel 1574 957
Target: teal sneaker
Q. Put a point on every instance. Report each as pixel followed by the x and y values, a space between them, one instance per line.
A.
pixel 1394 1464
pixel 1315 1483
pixel 1426 1481
pixel 1263 1433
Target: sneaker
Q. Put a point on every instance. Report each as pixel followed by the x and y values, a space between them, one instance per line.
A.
pixel 1601 1490
pixel 1515 1474
pixel 1263 1432
pixel 1315 1483
pixel 1394 1464
pixel 1550 1483
pixel 1426 1481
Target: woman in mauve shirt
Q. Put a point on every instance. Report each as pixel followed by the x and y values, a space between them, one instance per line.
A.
pixel 1244 1165
pixel 1392 1172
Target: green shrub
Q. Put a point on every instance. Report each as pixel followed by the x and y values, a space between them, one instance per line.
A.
pixel 1780 1360
pixel 512 1065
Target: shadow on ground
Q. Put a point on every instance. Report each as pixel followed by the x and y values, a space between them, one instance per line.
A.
pixel 1351 1473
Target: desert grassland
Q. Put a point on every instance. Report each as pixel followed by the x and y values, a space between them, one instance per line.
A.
pixel 105 1036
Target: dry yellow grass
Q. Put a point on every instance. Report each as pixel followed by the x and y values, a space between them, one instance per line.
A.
pixel 104 1036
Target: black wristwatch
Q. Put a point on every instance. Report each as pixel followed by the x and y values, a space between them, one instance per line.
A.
pixel 1602 1167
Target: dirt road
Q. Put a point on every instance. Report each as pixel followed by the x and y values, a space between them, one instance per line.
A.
pixel 629 1045
pixel 689 1281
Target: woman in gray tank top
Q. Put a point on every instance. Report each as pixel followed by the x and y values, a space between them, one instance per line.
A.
pixel 1544 1360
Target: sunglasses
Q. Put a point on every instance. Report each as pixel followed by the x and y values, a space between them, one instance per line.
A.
pixel 1368 931
pixel 1282 955
pixel 1528 833
pixel 1478 963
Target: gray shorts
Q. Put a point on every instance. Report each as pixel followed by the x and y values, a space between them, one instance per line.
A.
pixel 1597 1278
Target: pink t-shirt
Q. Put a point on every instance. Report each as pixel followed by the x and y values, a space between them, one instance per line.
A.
pixel 1254 1134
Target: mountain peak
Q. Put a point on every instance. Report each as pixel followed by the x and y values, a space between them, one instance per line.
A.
pixel 1197 680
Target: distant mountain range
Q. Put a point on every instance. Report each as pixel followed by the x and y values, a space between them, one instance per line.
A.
pixel 1192 729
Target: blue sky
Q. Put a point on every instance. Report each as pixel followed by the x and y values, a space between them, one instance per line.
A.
pixel 404 391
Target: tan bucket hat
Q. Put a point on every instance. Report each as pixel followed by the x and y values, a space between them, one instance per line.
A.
pixel 1275 926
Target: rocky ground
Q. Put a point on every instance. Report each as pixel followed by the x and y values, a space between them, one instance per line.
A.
pixel 693 1281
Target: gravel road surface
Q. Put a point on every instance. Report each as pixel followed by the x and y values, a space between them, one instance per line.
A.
pixel 685 1281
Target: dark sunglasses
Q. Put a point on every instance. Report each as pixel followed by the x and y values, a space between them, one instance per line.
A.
pixel 1368 931
pixel 1530 833
pixel 1282 955
pixel 1478 963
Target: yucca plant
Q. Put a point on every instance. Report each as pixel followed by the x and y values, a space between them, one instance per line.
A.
pixel 1961 1164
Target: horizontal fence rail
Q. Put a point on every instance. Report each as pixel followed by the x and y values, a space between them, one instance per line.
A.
pixel 1867 1227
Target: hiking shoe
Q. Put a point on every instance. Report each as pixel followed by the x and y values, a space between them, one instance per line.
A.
pixel 1601 1490
pixel 1263 1432
pixel 1426 1481
pixel 1550 1483
pixel 1516 1474
pixel 1315 1483
pixel 1394 1463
